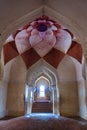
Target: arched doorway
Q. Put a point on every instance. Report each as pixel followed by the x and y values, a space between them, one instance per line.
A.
pixel 42 74
pixel 42 89
pixel 42 95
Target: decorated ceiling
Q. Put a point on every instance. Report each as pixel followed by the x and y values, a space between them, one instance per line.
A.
pixel 42 38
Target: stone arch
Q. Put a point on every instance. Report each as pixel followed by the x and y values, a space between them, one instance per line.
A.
pixel 44 76
pixel 42 89
pixel 41 68
pixel 17 24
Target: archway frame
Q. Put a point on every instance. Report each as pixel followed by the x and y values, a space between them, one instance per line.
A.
pixel 42 68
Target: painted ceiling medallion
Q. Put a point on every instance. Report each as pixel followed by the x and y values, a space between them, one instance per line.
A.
pixel 43 37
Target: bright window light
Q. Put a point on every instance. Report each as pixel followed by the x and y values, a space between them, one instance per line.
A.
pixel 42 91
pixel 26 91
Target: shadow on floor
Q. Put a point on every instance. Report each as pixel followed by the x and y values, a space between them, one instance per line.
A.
pixel 42 122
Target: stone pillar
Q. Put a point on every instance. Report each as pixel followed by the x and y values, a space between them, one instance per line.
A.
pixel 28 99
pixel 85 80
pixel 3 98
pixel 3 86
pixel 82 99
pixel 83 85
pixel 55 101
pixel 51 95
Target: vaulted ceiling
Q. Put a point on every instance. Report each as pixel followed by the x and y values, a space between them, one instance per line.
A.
pixel 42 38
pixel 71 14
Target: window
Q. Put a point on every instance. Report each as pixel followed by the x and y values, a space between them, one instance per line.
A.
pixel 42 91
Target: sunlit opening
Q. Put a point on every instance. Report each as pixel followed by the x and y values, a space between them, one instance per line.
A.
pixel 26 91
pixel 42 91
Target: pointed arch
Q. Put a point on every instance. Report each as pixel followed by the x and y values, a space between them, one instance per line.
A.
pixel 44 69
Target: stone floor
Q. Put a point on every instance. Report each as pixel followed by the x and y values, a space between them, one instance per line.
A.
pixel 42 122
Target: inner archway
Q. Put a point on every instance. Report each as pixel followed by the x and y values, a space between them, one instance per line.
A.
pixel 42 95
pixel 42 88
pixel 42 73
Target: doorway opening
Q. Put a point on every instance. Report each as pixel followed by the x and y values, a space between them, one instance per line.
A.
pixel 42 82
pixel 42 96
pixel 42 88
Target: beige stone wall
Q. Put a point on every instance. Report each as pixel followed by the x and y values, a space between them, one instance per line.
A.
pixel 68 87
pixel 15 100
pixel 69 102
pixel 4 77
pixel 16 88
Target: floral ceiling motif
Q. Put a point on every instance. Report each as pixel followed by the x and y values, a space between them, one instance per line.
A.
pixel 42 38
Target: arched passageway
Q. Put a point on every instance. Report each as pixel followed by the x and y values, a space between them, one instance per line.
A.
pixel 54 62
pixel 42 74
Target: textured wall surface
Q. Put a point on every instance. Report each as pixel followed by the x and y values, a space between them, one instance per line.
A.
pixel 69 105
pixel 15 102
pixel 16 88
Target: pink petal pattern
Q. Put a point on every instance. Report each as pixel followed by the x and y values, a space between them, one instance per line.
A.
pixel 64 41
pixel 29 28
pixel 42 38
pixel 22 42
pixel 34 39
pixel 34 31
pixel 43 47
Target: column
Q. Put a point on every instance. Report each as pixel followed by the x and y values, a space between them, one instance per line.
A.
pixel 28 99
pixel 83 89
pixel 55 99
